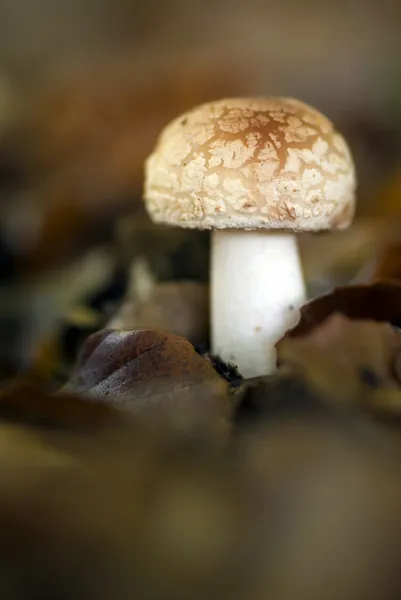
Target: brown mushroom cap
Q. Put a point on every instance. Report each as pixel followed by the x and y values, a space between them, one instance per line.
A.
pixel 251 163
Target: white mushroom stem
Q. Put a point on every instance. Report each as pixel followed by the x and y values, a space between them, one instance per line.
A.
pixel 257 288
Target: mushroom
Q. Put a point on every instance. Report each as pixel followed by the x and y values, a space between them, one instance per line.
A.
pixel 255 171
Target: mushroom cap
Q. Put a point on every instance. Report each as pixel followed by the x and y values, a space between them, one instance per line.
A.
pixel 251 163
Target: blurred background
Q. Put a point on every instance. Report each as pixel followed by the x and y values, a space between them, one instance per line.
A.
pixel 305 509
pixel 85 87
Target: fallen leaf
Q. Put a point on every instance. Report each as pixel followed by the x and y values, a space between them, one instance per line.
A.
pixel 274 397
pixel 376 302
pixel 28 403
pixel 152 373
pixel 347 362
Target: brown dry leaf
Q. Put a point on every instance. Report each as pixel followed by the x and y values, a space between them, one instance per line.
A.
pixel 351 363
pixel 274 397
pixel 27 402
pixel 375 302
pixel 154 373
pixel 181 308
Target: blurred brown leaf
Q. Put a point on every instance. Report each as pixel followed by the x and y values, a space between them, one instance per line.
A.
pixel 273 397
pixel 288 509
pixel 154 373
pixel 325 496
pixel 347 362
pixel 28 403
pixel 181 308
pixel 116 517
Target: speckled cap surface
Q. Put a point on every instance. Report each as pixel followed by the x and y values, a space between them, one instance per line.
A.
pixel 251 163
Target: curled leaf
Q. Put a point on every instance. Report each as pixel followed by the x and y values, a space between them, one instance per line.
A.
pixel 374 302
pixel 151 372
